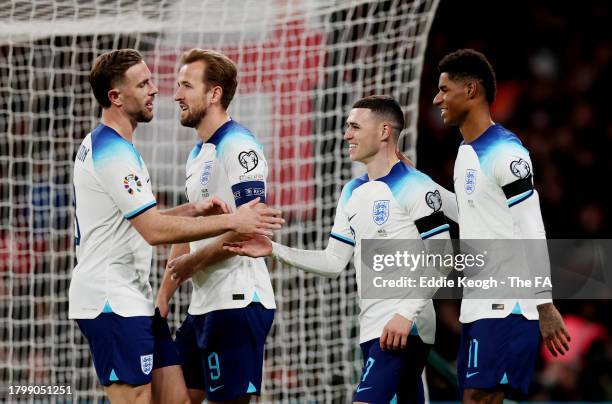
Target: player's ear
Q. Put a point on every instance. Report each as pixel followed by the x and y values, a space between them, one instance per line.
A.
pixel 217 93
pixel 386 131
pixel 114 97
pixel 471 88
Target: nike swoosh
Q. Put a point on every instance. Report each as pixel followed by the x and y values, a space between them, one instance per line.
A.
pixel 359 389
pixel 215 388
pixel 352 217
pixel 468 374
pixel 189 176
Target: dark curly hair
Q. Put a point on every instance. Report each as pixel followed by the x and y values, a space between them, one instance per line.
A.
pixel 470 64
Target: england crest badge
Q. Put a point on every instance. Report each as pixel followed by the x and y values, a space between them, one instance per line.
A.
pixel 470 181
pixel 146 363
pixel 380 211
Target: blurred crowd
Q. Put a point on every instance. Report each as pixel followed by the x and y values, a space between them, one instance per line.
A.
pixel 553 66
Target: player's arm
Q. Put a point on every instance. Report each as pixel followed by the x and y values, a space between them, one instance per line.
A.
pixel 163 229
pixel 206 207
pixel 168 286
pixel 513 173
pixel 247 182
pixel 120 174
pixel 428 207
pixel 329 262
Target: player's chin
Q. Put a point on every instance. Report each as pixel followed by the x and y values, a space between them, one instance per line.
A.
pixel 145 116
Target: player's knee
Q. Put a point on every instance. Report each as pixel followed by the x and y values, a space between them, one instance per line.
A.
pixel 480 396
pixel 142 394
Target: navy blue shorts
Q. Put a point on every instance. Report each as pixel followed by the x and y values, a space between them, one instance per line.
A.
pixel 392 376
pixel 127 349
pixel 222 351
pixel 498 352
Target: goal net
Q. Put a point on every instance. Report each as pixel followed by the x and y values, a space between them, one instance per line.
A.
pixel 302 63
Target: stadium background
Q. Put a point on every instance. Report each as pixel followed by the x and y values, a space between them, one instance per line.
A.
pixel 553 68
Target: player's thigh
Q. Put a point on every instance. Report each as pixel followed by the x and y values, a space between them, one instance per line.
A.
pixel 168 386
pixel 120 393
pixel 497 354
pixel 392 375
pixel 122 348
pixel 191 356
pixel 232 342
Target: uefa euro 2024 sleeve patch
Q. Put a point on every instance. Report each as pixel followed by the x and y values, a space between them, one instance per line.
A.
pixel 132 184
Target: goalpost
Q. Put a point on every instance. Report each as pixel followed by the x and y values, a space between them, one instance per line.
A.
pixel 302 63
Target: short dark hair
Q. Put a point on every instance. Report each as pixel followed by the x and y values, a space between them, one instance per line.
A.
pixel 220 71
pixel 470 64
pixel 108 71
pixel 385 106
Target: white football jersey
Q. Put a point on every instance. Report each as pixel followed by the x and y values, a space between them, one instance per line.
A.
pixel 111 186
pixel 492 174
pixel 232 167
pixel 387 208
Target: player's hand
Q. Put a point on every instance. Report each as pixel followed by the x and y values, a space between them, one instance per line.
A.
pixel 256 218
pixel 181 268
pixel 395 334
pixel 256 246
pixel 162 304
pixel 403 158
pixel 211 206
pixel 553 329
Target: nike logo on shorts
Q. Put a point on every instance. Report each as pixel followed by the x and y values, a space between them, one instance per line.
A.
pixel 359 389
pixel 468 374
pixel 215 388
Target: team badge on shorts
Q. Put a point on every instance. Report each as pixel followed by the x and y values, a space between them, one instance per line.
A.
pixel 208 165
pixel 520 168
pixel 146 363
pixel 132 184
pixel 248 160
pixel 470 181
pixel 434 200
pixel 380 212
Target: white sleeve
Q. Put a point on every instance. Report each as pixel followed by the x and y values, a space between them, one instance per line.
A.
pixel 342 230
pixel 426 207
pixel 449 204
pixel 123 176
pixel 514 174
pixel 246 169
pixel 329 262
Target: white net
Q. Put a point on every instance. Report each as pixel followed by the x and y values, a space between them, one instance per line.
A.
pixel 301 65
